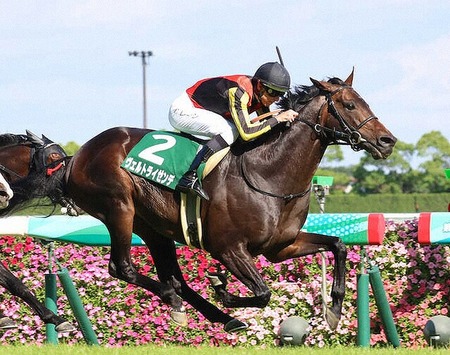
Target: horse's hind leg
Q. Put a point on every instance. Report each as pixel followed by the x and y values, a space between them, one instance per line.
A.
pixel 121 266
pixel 310 243
pixel 17 288
pixel 165 259
pixel 240 263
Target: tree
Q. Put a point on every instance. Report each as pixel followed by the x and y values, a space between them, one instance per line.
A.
pixel 390 175
pixel 434 149
pixel 71 148
pixel 332 154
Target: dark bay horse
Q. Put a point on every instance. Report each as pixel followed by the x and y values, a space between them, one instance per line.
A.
pixel 22 153
pixel 17 165
pixel 259 200
pixel 19 153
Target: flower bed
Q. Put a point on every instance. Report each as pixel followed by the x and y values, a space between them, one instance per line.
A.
pixel 416 280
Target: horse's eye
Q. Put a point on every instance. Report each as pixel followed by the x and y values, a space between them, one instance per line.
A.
pixel 349 105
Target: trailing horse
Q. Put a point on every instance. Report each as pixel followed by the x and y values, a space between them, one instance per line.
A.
pixel 22 153
pixel 259 200
pixel 20 162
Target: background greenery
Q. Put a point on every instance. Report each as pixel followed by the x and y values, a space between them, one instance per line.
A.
pixel 385 203
pixel 339 203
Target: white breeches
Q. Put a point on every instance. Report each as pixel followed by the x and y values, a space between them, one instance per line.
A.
pixel 185 117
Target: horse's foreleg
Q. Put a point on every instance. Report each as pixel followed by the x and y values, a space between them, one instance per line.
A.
pixel 310 243
pixel 17 288
pixel 240 263
pixel 165 259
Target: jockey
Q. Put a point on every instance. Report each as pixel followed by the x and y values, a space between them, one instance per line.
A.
pixel 219 108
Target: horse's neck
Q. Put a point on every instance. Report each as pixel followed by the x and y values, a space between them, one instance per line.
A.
pixel 295 155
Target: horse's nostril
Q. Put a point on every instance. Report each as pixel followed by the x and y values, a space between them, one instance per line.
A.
pixel 387 140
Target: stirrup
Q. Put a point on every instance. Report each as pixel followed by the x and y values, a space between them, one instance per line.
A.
pixel 189 183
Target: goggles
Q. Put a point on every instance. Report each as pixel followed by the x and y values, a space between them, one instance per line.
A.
pixel 271 92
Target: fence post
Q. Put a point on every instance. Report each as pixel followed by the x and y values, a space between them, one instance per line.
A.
pixel 50 303
pixel 383 306
pixel 362 301
pixel 77 307
pixel 51 296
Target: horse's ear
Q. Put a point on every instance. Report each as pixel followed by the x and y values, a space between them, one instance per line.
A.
pixel 34 138
pixel 321 85
pixel 349 80
pixel 47 140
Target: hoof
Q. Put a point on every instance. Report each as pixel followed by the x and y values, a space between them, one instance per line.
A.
pixel 331 319
pixel 65 327
pixel 6 323
pixel 179 317
pixel 234 326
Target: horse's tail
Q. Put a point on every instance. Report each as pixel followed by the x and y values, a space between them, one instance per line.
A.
pixel 38 189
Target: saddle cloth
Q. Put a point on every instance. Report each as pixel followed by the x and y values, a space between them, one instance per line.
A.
pixel 163 157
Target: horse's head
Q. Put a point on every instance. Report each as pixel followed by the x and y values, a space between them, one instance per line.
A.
pixel 46 151
pixel 6 193
pixel 349 118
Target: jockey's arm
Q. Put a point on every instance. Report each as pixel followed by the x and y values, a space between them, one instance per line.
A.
pixel 238 101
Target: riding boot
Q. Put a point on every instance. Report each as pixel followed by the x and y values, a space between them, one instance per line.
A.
pixel 189 182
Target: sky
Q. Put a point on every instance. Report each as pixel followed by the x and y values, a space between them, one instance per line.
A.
pixel 65 70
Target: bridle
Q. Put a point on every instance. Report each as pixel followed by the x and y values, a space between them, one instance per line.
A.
pixel 39 154
pixel 9 171
pixel 349 135
pixel 37 158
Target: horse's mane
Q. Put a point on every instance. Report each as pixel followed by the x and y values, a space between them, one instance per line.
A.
pixel 8 139
pixel 302 94
pixel 298 97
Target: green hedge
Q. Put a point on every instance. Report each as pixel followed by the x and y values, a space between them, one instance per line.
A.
pixel 338 203
pixel 387 203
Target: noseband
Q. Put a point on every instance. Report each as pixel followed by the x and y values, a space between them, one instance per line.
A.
pixel 349 135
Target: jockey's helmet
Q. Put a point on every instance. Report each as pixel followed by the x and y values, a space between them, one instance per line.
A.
pixel 274 76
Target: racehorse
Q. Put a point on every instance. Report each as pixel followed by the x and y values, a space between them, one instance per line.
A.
pixel 7 279
pixel 259 200
pixel 20 154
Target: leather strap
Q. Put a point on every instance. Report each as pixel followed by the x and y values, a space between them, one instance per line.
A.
pixel 265 115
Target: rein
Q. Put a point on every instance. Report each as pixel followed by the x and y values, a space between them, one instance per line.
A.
pixel 287 197
pixel 9 171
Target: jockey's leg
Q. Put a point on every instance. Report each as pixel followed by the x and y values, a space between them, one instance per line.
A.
pixel 190 181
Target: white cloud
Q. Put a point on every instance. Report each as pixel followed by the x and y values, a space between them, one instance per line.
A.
pixel 424 75
pixel 427 64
